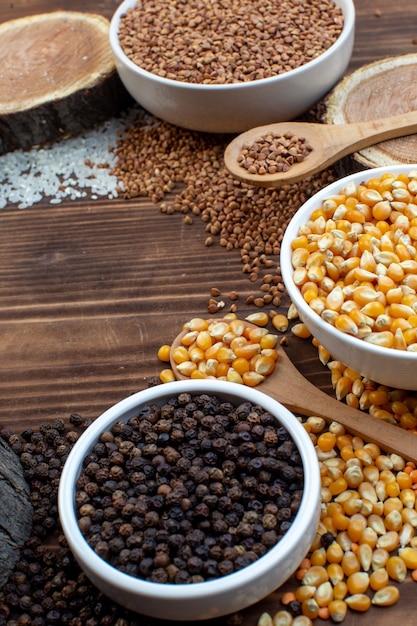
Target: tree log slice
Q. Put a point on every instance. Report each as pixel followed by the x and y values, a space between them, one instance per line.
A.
pixel 15 510
pixel 57 77
pixel 377 90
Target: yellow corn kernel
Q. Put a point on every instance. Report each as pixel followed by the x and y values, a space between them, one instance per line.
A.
pixel 268 341
pixel 225 355
pixel 195 354
pixel 364 554
pixel 337 610
pixel 309 608
pixel 246 351
pixel 302 620
pixel 409 556
pixel 164 353
pixel 241 365
pixel 315 575
pixel 356 529
pixel 346 324
pixel 305 592
pixel 204 340
pixel 354 476
pixel 318 556
pixel 196 323
pixel 180 354
pixel 264 365
pixel 334 553
pixel 299 257
pixel 378 579
pixel 166 376
pixel 343 387
pixel 358 602
pixel 282 618
pixel 406 534
pixel 358 582
pixel 393 520
pixel 265 619
pixel 384 338
pixel 232 376
pixel 326 441
pixel 280 322
pixel 340 590
pixel 189 338
pixel 396 568
pixel 337 486
pixel 387 596
pixel 252 379
pixel 324 594
pixel 186 368
pixel 292 312
pixel 300 330
pixel 335 573
pixel 350 563
pixel 260 318
pixel 409 517
pixel 390 541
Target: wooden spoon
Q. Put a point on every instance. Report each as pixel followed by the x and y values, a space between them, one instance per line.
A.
pixel 330 142
pixel 289 387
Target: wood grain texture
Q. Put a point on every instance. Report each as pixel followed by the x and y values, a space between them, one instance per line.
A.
pixel 90 289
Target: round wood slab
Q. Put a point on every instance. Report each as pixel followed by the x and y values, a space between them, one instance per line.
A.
pixel 57 77
pixel 381 89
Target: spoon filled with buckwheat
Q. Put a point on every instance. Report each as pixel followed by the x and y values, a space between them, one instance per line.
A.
pixel 287 152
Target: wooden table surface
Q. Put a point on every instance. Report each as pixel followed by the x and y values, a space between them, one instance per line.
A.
pixel 81 321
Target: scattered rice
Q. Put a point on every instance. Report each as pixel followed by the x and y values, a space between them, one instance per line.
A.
pixel 69 169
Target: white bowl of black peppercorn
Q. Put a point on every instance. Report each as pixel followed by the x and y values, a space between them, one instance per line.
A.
pixel 191 500
pixel 225 67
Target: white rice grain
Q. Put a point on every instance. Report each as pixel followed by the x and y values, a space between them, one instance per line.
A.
pixel 69 169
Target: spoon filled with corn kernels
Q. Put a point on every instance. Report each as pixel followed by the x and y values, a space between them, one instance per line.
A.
pixel 287 152
pixel 248 353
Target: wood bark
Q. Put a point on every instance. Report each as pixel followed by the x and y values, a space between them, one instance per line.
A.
pixel 57 77
pixel 376 90
pixel 15 510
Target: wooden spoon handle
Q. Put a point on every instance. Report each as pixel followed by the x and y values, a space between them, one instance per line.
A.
pixel 287 385
pixel 293 390
pixel 330 142
pixel 347 138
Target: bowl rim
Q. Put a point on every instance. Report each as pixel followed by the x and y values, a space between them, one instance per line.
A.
pixel 349 14
pixel 287 270
pixel 206 589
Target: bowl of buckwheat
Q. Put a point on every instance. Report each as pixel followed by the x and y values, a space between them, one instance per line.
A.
pixel 225 67
pixel 349 264
pixel 191 500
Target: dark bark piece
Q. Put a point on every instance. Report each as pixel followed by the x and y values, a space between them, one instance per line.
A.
pixel 15 510
pixel 57 77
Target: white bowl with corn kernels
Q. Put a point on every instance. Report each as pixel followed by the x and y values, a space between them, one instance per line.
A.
pixel 209 598
pixel 364 312
pixel 237 106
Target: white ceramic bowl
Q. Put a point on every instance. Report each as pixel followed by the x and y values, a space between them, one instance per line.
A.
pixel 234 108
pixel 206 599
pixel 387 366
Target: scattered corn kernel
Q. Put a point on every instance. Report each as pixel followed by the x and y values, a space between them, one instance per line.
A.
pixel 358 602
pixel 387 596
pixel 230 349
